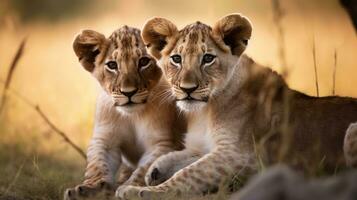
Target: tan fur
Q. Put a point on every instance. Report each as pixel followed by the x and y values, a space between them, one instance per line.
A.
pixel 125 134
pixel 240 114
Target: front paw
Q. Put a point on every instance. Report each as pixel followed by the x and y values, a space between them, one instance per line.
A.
pixel 83 191
pixel 156 175
pixel 129 192
pixel 126 192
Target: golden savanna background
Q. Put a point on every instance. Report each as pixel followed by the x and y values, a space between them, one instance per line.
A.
pixel 36 162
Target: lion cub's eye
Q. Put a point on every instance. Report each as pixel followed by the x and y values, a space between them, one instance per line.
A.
pixel 176 59
pixel 208 58
pixel 112 65
pixel 144 61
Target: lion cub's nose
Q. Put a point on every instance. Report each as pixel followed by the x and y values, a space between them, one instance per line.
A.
pixel 129 93
pixel 188 88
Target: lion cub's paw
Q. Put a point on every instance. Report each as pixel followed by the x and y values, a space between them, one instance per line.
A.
pixel 157 174
pixel 83 191
pixel 126 192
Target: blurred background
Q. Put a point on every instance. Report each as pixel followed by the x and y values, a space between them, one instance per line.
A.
pixel 36 163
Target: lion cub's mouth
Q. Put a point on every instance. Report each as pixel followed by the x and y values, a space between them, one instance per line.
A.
pixel 129 103
pixel 128 106
pixel 192 99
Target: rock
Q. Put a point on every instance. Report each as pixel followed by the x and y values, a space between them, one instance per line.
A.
pixel 282 183
pixel 350 145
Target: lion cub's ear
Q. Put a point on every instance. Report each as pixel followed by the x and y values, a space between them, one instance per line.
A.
pixel 233 31
pixel 88 45
pixel 159 33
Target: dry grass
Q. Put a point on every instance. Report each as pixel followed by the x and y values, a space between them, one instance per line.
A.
pixel 11 73
pixel 35 184
pixel 315 67
pixel 29 174
pixel 334 73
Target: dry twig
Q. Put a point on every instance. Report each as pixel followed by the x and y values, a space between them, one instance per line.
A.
pixel 58 131
pixel 47 120
pixel 10 74
pixel 315 67
pixel 334 74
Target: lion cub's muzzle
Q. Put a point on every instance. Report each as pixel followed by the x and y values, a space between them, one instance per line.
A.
pixel 131 98
pixel 191 94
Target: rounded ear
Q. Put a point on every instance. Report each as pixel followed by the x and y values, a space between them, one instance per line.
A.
pixel 232 32
pixel 157 34
pixel 88 45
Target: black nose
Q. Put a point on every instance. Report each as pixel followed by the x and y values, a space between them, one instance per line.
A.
pixel 129 94
pixel 189 90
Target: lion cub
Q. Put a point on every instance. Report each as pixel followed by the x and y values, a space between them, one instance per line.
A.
pixel 135 121
pixel 240 114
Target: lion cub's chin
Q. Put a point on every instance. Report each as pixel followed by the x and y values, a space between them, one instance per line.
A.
pixel 131 109
pixel 191 105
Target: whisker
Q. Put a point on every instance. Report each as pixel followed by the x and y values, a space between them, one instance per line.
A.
pixel 141 94
pixel 166 96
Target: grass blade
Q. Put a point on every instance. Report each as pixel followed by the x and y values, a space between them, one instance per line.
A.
pixel 334 74
pixel 10 74
pixel 315 67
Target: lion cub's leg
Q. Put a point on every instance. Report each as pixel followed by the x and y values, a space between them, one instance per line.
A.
pixel 350 145
pixel 124 173
pixel 200 176
pixel 167 165
pixel 138 176
pixel 103 160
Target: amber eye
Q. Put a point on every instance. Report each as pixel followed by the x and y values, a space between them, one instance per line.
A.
pixel 112 65
pixel 176 59
pixel 208 58
pixel 144 61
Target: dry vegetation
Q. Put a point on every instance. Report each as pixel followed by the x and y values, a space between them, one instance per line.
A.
pixel 39 147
